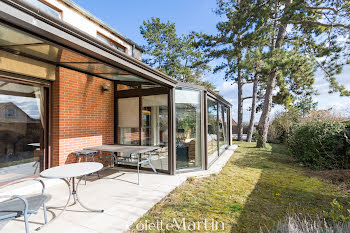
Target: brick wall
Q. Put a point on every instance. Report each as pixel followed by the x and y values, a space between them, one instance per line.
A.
pixel 82 115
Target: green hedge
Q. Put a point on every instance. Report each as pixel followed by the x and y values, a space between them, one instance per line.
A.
pixel 321 144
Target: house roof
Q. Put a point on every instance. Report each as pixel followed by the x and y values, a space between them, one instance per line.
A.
pixel 4 105
pixel 44 25
pixel 100 22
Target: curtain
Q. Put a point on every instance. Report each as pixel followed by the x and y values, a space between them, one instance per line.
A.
pixel 39 97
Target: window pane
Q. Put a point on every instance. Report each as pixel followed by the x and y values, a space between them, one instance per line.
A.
pixel 155 128
pixel 21 130
pixel 188 128
pixel 47 9
pixel 102 38
pixel 226 126
pixel 117 47
pixel 222 130
pixel 212 145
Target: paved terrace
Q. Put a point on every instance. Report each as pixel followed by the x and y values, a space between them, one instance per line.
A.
pixel 116 192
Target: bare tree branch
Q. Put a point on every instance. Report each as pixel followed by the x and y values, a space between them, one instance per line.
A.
pixel 248 97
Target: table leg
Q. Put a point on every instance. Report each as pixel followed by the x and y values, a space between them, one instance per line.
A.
pixel 64 208
pixel 85 161
pixel 150 163
pixel 76 198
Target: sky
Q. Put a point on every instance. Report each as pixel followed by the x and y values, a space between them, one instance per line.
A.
pixel 198 15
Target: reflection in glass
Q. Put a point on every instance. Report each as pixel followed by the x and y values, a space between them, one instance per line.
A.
pixel 226 138
pixel 188 128
pixel 155 127
pixel 222 130
pixel 212 146
pixel 45 8
pixel 21 130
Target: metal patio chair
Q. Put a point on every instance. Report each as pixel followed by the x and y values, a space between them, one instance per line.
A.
pixel 16 206
pixel 87 154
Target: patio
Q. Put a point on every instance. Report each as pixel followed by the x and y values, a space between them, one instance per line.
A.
pixel 116 192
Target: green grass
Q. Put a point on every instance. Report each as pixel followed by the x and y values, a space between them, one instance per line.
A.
pixel 255 189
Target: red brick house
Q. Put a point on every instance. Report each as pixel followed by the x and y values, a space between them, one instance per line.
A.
pixel 86 85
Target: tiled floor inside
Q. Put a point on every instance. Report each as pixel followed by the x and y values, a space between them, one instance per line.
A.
pixel 116 192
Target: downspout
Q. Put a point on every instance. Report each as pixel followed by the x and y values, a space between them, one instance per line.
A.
pixel 133 50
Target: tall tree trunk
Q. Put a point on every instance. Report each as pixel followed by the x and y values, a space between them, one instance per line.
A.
pixel 240 105
pixel 253 111
pixel 263 126
pixel 265 115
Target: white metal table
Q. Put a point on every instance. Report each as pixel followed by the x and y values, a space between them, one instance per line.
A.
pixel 139 150
pixel 71 171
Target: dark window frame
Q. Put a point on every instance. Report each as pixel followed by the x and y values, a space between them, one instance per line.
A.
pixel 47 132
pixel 139 93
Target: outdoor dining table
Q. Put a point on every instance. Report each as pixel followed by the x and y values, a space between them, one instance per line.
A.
pixel 72 171
pixel 139 150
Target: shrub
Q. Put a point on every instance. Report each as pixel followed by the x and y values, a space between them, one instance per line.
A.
pixel 320 144
pixel 280 127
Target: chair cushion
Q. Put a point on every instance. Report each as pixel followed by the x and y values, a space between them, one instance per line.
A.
pixel 15 208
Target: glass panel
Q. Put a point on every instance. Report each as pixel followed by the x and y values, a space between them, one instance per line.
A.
pixel 118 47
pixel 222 134
pixel 124 77
pixel 21 130
pixel 16 43
pixel 188 128
pixel 155 127
pixel 43 51
pixel 226 126
pixel 10 36
pixel 102 38
pixel 212 145
pixel 23 65
pixel 148 86
pixel 47 9
pixel 129 136
pixel 96 68
pixel 122 87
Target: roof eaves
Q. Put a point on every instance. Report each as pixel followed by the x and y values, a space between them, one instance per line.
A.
pixel 100 22
pixel 22 5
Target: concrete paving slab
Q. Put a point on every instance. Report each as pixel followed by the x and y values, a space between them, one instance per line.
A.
pixel 123 201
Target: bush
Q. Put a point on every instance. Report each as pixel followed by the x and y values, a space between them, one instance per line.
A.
pixel 280 127
pixel 320 144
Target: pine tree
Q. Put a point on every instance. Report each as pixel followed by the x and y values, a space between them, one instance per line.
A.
pixel 176 56
pixel 298 31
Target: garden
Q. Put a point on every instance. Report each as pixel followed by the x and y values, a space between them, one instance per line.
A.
pixel 298 183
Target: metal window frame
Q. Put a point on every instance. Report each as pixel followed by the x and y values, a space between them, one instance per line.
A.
pixel 139 93
pixel 47 129
pixel 201 90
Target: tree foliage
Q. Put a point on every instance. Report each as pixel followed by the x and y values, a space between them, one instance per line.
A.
pixel 176 56
pixel 298 37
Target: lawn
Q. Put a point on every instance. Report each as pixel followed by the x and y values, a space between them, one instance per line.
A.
pixel 256 188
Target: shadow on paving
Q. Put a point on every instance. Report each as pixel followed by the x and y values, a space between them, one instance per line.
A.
pixel 282 188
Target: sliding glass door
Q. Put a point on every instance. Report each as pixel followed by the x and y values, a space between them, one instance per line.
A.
pixel 218 129
pixel 143 119
pixel 188 128
pixel 212 137
pixel 154 131
pixel 22 123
